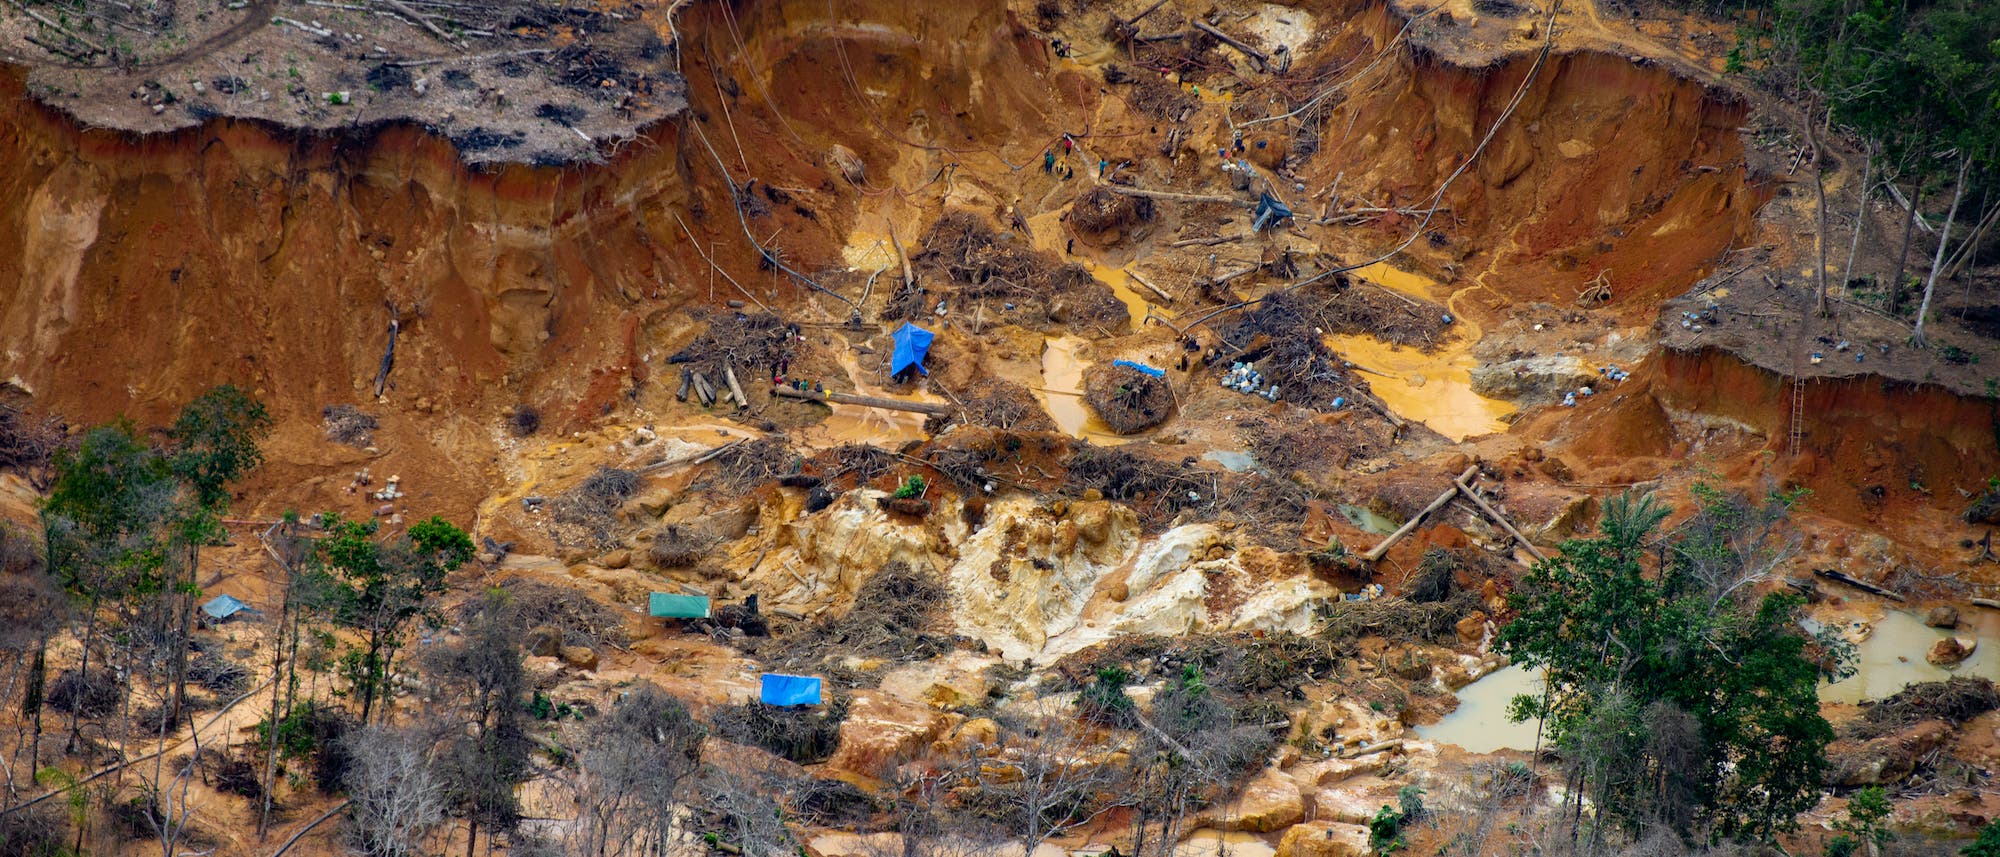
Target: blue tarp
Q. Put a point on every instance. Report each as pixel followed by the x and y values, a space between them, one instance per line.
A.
pixel 665 606
pixel 912 343
pixel 1157 373
pixel 790 689
pixel 1269 211
pixel 223 607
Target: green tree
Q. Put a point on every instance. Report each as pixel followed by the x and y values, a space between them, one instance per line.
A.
pixel 1866 812
pixel 215 442
pixel 1678 697
pixel 381 586
pixel 101 523
pixel 1988 843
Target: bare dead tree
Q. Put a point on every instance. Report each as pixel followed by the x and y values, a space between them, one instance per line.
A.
pixel 634 774
pixel 398 793
pixel 1054 774
pixel 741 790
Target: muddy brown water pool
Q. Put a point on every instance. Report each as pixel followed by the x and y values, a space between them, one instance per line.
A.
pixel 1890 659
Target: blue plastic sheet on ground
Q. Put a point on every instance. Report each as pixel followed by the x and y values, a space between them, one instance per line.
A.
pixel 1157 373
pixel 790 689
pixel 912 343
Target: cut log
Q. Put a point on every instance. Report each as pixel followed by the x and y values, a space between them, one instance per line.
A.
pixel 1371 749
pixel 687 380
pixel 865 401
pixel 1375 553
pixel 1498 518
pixel 729 374
pixel 1149 286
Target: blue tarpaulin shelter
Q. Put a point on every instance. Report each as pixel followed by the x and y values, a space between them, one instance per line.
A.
pixel 223 607
pixel 665 606
pixel 790 689
pixel 1269 212
pixel 1157 373
pixel 912 343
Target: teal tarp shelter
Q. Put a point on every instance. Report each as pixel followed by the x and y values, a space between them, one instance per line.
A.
pixel 665 606
pixel 222 607
pixel 790 689
pixel 912 343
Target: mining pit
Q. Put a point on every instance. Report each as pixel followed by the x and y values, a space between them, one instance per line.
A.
pixel 1145 434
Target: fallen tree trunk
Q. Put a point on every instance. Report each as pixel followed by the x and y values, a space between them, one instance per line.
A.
pixel 1862 585
pixel 1170 195
pixel 1259 57
pixel 1375 553
pixel 1153 288
pixel 865 401
pixel 729 374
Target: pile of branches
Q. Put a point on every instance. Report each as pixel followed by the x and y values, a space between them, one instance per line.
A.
pixel 1954 700
pixel 1383 314
pixel 218 674
pixel 27 442
pixel 349 425
pixel 752 463
pixel 1108 216
pixel 1155 489
pixel 589 512
pixel 983 264
pixel 1313 448
pixel 973 456
pixel 999 404
pixel 1126 399
pixel 1398 620
pixel 895 618
pixel 534 604
pixel 1273 510
pixel 802 735
pixel 678 546
pixel 1239 667
pixel 1279 336
pixel 755 344
pixel 862 461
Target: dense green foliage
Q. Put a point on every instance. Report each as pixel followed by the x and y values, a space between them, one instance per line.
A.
pixel 379 586
pixel 1678 698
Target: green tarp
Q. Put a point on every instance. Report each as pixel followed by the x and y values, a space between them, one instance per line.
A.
pixel 679 606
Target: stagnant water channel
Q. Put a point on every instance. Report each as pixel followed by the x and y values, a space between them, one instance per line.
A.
pixel 1888 660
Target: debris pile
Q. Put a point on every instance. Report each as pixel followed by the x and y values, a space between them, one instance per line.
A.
pixel 1014 282
pixel 1127 400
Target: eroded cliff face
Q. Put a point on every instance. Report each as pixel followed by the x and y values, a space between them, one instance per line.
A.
pixel 1876 453
pixel 138 270
pixel 144 268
